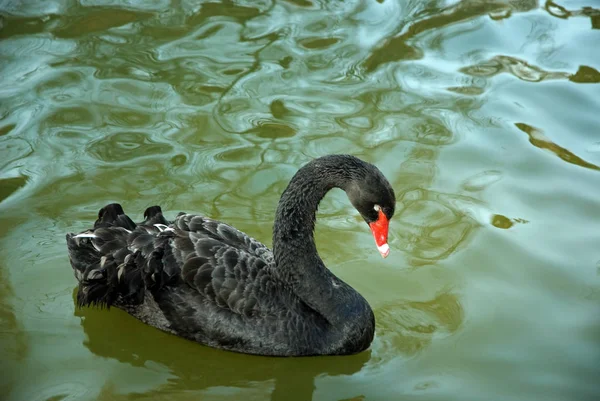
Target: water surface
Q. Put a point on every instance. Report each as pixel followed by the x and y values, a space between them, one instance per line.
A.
pixel 483 115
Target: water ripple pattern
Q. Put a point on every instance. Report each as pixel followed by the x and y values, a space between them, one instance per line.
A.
pixel 483 114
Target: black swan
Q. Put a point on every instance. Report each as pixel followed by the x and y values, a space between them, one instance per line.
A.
pixel 208 282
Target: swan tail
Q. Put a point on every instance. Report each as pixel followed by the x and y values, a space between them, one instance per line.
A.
pixel 113 215
pixel 103 262
pixel 94 272
pixel 154 216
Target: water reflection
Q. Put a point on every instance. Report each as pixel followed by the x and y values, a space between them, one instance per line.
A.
pixel 212 106
pixel 585 75
pixel 399 47
pixel 557 10
pixel 527 72
pixel 14 344
pixel 198 369
pixel 410 326
pixel 431 224
pixel 540 140
pixel 10 185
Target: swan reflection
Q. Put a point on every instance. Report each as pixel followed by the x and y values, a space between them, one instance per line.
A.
pixel 199 370
pixel 407 326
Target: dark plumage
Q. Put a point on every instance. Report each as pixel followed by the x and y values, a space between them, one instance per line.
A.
pixel 206 281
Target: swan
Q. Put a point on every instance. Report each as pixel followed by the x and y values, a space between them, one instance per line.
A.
pixel 204 280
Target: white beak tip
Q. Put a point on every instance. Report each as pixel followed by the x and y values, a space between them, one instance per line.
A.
pixel 384 250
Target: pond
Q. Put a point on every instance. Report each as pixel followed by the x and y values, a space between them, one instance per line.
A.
pixel 484 116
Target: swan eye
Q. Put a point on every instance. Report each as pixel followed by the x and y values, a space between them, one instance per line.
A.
pixel 377 208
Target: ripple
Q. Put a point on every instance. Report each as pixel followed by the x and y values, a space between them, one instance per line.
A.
pixel 423 130
pixel 271 130
pixel 594 148
pixel 301 3
pixel 392 50
pixel 332 144
pixel 399 45
pixel 467 90
pixel 538 139
pixel 501 221
pixel 262 181
pixel 126 147
pixel 430 133
pixel 147 97
pixel 127 118
pixel 514 66
pixel 179 160
pixel 114 39
pixel 24 57
pixel 278 109
pixel 212 106
pixel 195 93
pixel 498 15
pixel 4 130
pixel 239 155
pixel 363 122
pixel 431 227
pixel 557 10
pixel 63 85
pixel 214 41
pixel 410 326
pixel 10 185
pixel 482 180
pixel 95 19
pixel 318 43
pixel 14 149
pixel 71 117
pixel 586 75
pixel 67 391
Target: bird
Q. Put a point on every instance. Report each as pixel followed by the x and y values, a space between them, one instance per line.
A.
pixel 204 280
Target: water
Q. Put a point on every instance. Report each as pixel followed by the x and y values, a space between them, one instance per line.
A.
pixel 484 116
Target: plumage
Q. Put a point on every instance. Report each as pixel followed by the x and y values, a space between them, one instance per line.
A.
pixel 207 281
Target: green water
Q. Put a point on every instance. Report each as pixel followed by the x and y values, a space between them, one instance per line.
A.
pixel 484 116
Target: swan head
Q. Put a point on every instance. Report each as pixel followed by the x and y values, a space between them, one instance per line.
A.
pixel 373 196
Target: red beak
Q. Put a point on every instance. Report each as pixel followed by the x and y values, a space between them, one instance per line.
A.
pixel 379 228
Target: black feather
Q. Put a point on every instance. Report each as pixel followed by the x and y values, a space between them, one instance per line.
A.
pixel 207 281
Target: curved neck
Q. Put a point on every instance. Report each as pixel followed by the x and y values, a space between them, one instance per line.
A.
pixel 297 209
pixel 294 248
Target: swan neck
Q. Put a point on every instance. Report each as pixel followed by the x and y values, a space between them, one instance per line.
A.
pixel 293 231
pixel 296 257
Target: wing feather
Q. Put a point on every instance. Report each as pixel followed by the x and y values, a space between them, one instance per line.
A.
pixel 225 266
